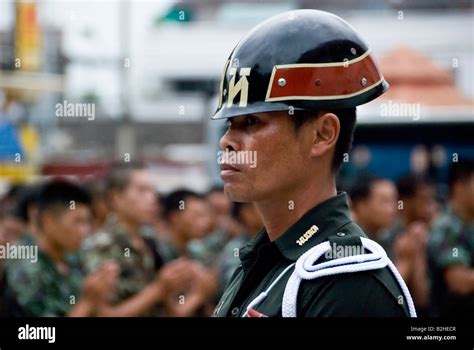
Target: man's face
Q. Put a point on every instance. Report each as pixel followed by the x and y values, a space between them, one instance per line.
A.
pixel 424 203
pixel 10 229
pixel 137 202
pixel 281 156
pixel 67 228
pixel 467 194
pixel 381 206
pixel 194 220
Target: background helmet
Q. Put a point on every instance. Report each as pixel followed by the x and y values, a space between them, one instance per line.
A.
pixel 301 60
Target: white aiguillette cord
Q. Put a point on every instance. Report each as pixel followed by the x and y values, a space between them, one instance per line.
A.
pixel 305 269
pixel 264 294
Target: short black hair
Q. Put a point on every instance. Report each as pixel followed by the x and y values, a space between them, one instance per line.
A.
pixel 361 189
pixel 27 196
pixel 58 194
pixel 461 170
pixel 119 175
pixel 172 201
pixel 409 184
pixel 13 192
pixel 347 120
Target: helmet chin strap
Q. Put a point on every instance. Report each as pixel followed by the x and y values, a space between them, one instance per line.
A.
pixel 306 269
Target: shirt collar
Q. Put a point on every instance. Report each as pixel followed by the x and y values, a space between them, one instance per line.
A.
pixel 248 252
pixel 115 228
pixel 456 220
pixel 314 227
pixel 322 221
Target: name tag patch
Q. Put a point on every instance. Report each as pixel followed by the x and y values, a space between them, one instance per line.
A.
pixel 307 235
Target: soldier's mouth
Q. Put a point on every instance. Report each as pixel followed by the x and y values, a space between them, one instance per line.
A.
pixel 228 170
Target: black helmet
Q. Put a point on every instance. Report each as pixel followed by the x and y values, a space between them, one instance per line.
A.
pixel 303 59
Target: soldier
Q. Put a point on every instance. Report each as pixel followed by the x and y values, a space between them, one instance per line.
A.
pixel 52 282
pixel 451 247
pixel 251 223
pixel 221 207
pixel 289 92
pixel 374 205
pixel 27 210
pixel 144 281
pixel 188 219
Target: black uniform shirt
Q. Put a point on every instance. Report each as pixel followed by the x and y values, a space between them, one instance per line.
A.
pixel 374 293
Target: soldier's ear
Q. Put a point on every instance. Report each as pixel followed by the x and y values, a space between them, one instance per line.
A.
pixel 46 219
pixel 113 197
pixel 326 130
pixel 173 216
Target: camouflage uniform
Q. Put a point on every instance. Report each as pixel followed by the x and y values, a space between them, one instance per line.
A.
pixel 34 289
pixel 208 249
pixel 205 251
pixel 388 237
pixel 168 251
pixel 451 243
pixel 137 268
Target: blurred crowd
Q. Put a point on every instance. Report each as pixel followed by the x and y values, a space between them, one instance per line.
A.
pixel 116 247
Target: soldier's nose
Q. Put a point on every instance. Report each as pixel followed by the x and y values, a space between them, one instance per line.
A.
pixel 229 141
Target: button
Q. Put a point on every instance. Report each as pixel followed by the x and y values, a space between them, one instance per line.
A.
pixel 340 234
pixel 235 311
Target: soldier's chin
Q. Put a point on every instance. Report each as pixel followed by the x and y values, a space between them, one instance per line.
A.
pixel 146 218
pixel 237 193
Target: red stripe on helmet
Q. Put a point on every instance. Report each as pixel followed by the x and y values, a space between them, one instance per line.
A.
pixel 319 81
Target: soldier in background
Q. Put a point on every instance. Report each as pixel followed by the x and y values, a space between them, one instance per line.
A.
pixel 451 247
pixel 222 207
pixel 52 283
pixel 188 220
pixel 144 281
pixel 223 227
pixel 250 224
pixel 374 203
pixel 100 209
pixel 27 210
pixel 406 242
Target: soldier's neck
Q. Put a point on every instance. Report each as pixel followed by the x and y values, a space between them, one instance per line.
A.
pixel 132 228
pixel 408 216
pixel 461 211
pixel 369 229
pixel 280 213
pixel 179 242
pixel 53 251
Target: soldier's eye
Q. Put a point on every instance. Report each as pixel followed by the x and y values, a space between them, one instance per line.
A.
pixel 251 120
